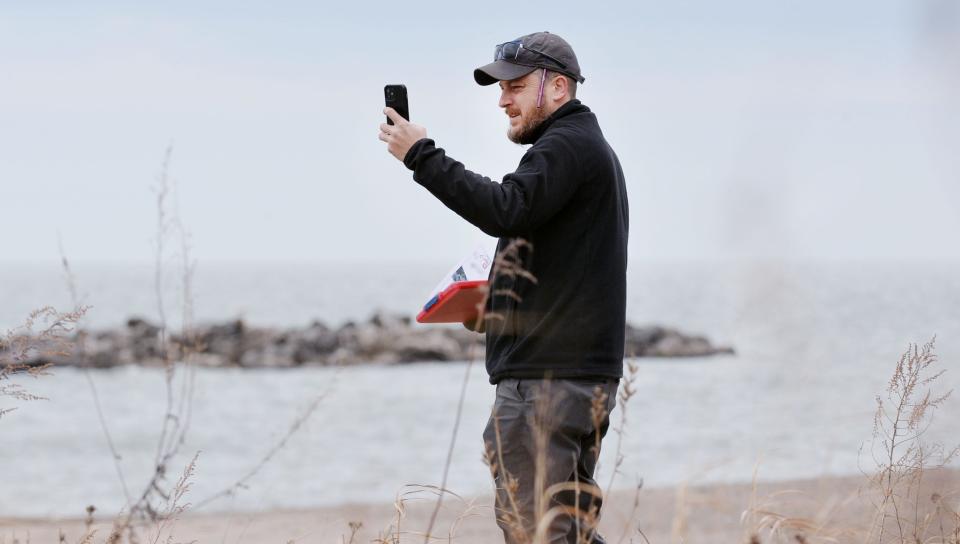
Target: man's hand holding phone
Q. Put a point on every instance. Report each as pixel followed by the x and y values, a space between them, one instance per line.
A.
pixel 401 135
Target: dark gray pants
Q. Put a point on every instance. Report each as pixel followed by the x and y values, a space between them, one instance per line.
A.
pixel 556 425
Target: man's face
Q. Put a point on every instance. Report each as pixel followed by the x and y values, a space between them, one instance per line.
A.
pixel 518 98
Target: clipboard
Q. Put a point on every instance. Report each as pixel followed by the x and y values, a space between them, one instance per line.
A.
pixel 455 304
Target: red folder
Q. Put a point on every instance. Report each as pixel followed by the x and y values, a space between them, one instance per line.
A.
pixel 455 304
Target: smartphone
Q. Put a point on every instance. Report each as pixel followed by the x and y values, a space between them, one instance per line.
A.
pixel 395 97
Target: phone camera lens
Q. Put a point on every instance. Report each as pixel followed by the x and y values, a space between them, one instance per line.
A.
pixel 390 94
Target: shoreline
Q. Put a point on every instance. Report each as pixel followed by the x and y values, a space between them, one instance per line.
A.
pixel 708 512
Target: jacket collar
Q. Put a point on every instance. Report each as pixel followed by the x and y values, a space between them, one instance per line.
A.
pixel 571 107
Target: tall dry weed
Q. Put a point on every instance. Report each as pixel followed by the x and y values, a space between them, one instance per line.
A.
pixel 26 350
pixel 147 506
pixel 508 263
pixel 902 456
pixel 159 502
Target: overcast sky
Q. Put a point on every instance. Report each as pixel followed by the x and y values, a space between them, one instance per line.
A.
pixel 745 129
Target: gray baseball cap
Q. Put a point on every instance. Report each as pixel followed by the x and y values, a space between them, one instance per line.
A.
pixel 519 57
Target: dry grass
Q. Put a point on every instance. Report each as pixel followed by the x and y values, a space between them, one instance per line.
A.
pixel 148 506
pixel 901 456
pixel 508 263
pixel 24 348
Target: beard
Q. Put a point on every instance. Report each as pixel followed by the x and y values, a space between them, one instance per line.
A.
pixel 522 133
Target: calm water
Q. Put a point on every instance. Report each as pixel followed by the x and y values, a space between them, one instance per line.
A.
pixel 816 343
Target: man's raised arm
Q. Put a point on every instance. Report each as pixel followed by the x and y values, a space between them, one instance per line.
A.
pixel 543 183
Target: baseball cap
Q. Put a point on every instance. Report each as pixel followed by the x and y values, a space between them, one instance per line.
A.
pixel 519 57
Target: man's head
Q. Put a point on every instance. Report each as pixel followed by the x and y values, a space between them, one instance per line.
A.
pixel 530 99
pixel 537 74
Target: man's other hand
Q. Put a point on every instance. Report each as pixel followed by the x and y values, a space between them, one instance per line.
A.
pixel 401 135
pixel 476 325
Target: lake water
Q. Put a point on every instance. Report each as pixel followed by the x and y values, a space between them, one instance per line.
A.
pixel 816 342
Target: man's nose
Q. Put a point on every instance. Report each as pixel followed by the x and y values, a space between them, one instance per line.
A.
pixel 504 100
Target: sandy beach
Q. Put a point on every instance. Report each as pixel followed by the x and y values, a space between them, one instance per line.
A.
pixel 836 508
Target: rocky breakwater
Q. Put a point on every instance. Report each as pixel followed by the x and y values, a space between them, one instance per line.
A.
pixel 382 339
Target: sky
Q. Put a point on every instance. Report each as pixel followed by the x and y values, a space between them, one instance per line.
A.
pixel 746 129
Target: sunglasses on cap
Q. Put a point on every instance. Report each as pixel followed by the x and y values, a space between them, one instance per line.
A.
pixel 511 51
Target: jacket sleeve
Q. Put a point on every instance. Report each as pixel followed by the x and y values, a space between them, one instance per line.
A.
pixel 542 184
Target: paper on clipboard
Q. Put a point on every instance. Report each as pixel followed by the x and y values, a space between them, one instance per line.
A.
pixel 473 267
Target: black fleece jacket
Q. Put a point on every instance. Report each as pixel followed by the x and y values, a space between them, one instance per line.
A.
pixel 568 199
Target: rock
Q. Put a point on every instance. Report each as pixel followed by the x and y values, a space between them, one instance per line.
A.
pixel 386 321
pixel 224 340
pixel 656 341
pixel 314 344
pixel 431 345
pixel 145 342
pixel 141 328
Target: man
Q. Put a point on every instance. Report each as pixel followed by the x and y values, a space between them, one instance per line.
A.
pixel 555 340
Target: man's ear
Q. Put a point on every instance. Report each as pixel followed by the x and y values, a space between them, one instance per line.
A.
pixel 561 87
